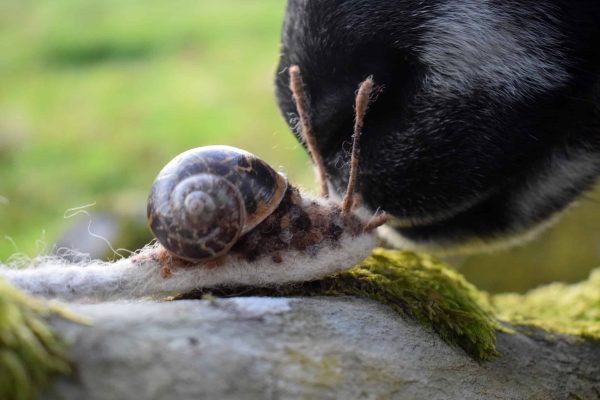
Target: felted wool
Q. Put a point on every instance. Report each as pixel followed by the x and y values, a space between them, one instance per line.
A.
pixel 143 276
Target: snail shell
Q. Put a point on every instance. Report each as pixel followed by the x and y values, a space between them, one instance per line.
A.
pixel 205 198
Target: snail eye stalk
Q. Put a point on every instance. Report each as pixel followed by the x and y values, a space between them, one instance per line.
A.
pixel 363 97
pixel 297 88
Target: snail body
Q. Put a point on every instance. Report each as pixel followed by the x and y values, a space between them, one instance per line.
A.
pixel 206 198
pixel 217 200
pixel 222 207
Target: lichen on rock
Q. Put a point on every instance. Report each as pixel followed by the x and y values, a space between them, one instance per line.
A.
pixel 30 352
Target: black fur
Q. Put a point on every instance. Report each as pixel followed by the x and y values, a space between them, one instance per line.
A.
pixel 487 123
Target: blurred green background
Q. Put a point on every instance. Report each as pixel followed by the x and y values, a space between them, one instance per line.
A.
pixel 97 95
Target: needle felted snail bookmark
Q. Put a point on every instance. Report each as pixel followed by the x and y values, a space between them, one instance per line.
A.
pixel 223 217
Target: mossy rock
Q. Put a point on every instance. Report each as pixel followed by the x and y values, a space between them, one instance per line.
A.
pixel 30 353
pixel 415 286
pixel 420 287
pixel 557 308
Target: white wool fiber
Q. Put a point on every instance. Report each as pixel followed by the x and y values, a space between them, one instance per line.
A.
pixel 124 279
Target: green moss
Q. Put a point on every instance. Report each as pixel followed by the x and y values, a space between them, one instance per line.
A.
pixel 30 353
pixel 557 308
pixel 420 287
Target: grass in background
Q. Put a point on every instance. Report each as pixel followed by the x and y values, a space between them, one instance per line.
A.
pixel 97 95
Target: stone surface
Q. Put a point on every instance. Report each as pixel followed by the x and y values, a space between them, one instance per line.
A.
pixel 324 348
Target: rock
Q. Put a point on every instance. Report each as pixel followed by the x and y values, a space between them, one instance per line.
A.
pixel 287 348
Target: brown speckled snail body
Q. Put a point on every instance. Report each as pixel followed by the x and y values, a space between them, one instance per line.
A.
pixel 218 201
pixel 206 198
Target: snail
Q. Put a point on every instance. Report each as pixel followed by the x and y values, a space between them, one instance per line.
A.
pixel 218 205
pixel 206 198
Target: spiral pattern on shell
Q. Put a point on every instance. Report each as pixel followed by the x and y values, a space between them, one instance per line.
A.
pixel 205 198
